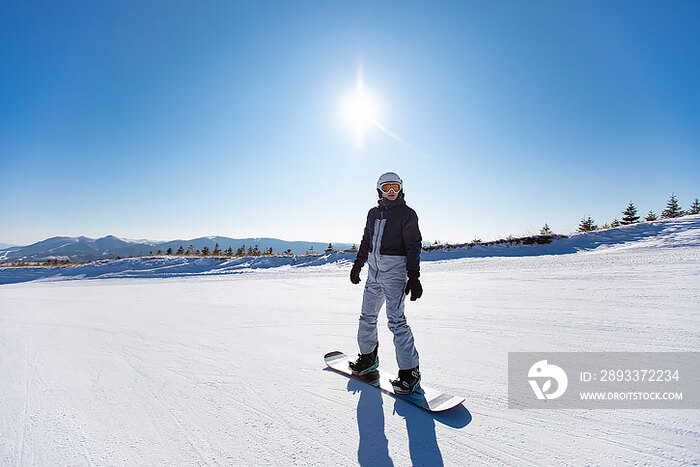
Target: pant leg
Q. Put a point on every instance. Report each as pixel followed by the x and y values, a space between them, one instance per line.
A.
pixel 372 301
pixel 393 285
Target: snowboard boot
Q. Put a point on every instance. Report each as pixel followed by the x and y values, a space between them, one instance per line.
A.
pixel 407 382
pixel 366 362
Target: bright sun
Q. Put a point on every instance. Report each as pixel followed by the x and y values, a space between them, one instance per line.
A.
pixel 360 112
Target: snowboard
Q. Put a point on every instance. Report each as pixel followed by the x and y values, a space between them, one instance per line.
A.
pixel 424 397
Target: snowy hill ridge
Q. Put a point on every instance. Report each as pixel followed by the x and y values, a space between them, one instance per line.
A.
pixel 667 233
pixel 79 249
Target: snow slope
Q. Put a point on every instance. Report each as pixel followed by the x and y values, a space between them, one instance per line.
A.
pixel 683 232
pixel 227 369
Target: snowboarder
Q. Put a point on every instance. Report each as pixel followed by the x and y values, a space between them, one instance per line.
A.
pixel 391 246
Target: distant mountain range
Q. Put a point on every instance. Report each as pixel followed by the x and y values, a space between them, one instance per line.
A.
pixel 78 249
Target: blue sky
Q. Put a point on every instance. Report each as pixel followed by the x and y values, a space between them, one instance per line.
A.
pixel 166 120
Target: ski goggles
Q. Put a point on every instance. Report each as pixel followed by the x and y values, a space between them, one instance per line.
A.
pixel 387 187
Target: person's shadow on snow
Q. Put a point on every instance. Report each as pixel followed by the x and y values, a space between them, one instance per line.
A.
pixel 420 425
pixel 422 441
pixel 373 449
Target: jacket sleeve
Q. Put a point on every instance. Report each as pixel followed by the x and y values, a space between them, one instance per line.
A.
pixel 366 242
pixel 413 241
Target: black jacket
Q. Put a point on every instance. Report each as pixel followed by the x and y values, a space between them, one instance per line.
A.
pixel 401 235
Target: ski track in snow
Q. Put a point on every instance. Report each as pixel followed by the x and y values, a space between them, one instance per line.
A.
pixel 228 369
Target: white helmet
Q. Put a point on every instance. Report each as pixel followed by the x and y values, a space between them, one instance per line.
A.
pixel 389 177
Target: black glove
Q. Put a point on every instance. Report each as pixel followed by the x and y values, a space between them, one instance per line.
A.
pixel 414 286
pixel 355 271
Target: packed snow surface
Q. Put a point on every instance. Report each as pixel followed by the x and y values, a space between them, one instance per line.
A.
pixel 227 369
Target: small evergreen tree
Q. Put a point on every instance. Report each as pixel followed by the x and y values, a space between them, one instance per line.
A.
pixel 229 251
pixel 240 251
pixel 545 230
pixel 205 250
pixel 587 225
pixel 169 252
pixel 615 223
pixel 180 251
pixel 673 209
pixel 159 252
pixel 250 251
pixel 629 215
pixel 217 250
pixel 256 251
pixel 288 252
pixel 694 208
pixel 190 249
pixel 651 216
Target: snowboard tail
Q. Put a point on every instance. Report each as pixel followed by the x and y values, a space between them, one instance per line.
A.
pixel 424 397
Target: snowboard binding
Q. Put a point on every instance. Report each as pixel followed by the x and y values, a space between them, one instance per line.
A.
pixel 365 363
pixel 407 382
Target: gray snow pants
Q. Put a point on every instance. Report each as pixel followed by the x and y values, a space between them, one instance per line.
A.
pixel 387 283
